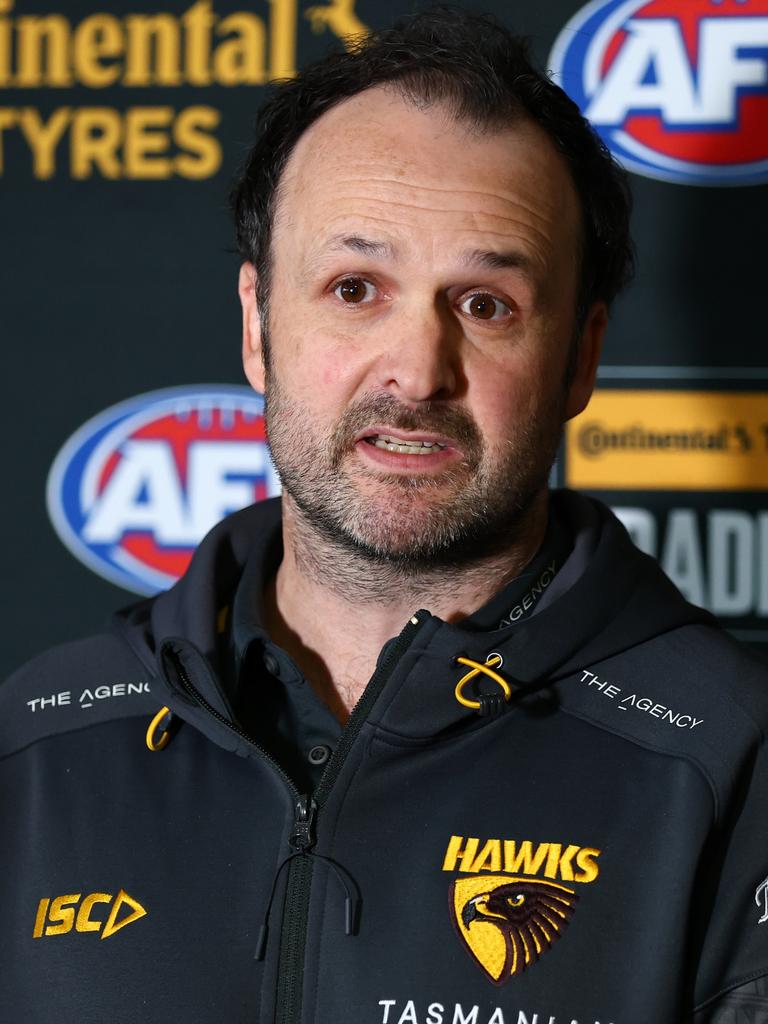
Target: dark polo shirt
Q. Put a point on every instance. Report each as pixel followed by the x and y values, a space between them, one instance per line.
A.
pixel 278 706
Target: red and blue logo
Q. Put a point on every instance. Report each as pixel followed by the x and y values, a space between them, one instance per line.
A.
pixel 677 89
pixel 136 488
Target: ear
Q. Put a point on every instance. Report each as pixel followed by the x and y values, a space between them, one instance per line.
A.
pixel 587 360
pixel 253 356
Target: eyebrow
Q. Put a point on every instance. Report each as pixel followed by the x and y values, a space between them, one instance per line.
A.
pixel 346 243
pixel 490 259
pixel 493 260
pixel 363 246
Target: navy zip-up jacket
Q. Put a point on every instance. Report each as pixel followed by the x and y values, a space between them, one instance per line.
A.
pixel 594 849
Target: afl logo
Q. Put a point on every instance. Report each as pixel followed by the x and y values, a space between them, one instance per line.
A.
pixel 135 489
pixel 677 89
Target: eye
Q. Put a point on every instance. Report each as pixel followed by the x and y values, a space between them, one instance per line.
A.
pixel 484 306
pixel 355 290
pixel 517 900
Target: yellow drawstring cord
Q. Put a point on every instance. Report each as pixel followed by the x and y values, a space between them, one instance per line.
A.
pixel 491 662
pixel 165 737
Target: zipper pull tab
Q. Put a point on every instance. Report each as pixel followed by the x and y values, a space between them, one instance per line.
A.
pixel 303 835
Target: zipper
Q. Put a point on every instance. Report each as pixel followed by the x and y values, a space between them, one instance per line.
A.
pixel 294 936
pixel 192 691
pixel 369 697
pixel 296 910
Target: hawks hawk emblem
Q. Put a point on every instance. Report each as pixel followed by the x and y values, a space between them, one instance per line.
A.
pixel 507 923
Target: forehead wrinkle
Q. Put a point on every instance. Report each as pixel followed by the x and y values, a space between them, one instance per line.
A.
pixel 498 251
pixel 492 259
pixel 464 197
pixel 489 223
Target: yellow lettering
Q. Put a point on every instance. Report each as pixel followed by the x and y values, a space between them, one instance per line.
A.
pixel 190 132
pixel 283 30
pixel 553 858
pixel 524 859
pixel 39 38
pixel 198 21
pixel 62 912
pixel 96 136
pixel 456 852
pixel 152 44
pixel 340 18
pixel 42 910
pixel 97 37
pixel 84 922
pixel 43 138
pixel 7 120
pixel 242 60
pixel 6 27
pixel 564 864
pixel 586 860
pixel 146 136
pixel 112 925
pixel 489 858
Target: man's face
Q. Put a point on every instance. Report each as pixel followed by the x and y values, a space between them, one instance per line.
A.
pixel 421 317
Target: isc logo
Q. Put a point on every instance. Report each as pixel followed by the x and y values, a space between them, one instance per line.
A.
pixel 135 489
pixel 678 89
pixel 61 914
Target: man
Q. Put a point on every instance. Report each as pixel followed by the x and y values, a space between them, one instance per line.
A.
pixel 543 799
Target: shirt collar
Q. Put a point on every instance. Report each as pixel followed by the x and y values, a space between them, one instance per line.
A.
pixel 248 616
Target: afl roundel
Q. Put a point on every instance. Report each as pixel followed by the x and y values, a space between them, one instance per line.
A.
pixel 677 89
pixel 135 489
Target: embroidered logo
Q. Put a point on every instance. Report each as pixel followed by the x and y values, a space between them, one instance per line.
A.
pixel 505 918
pixel 507 923
pixel 761 899
pixel 529 600
pixel 61 914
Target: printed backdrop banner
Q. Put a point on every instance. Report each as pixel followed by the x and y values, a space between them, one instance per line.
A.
pixel 129 429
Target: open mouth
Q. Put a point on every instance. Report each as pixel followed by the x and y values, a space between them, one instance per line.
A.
pixel 411 446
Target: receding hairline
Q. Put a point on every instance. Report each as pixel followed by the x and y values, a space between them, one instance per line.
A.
pixel 455 116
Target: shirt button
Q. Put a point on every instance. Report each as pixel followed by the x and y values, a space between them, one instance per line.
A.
pixel 319 754
pixel 271 664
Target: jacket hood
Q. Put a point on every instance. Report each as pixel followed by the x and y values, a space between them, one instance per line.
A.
pixel 607 597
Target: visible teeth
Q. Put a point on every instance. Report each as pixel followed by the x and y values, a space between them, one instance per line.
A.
pixel 395 444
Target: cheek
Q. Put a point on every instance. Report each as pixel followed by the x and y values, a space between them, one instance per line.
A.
pixel 318 369
pixel 337 368
pixel 499 389
pixel 512 398
pixel 500 412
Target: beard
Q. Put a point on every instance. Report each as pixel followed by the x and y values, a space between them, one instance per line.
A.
pixel 471 510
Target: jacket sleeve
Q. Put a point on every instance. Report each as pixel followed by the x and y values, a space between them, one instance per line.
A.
pixel 747 1004
pixel 731 901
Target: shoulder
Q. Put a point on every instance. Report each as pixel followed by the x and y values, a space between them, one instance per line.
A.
pixel 691 693
pixel 73 686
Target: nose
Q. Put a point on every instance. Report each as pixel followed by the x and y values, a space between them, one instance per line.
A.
pixel 421 360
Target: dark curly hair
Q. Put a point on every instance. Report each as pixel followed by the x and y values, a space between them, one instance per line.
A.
pixel 485 75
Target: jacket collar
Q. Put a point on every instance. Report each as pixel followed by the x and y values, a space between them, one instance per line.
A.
pixel 606 598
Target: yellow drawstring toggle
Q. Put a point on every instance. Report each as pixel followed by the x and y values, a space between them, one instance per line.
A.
pixel 477 667
pixel 152 728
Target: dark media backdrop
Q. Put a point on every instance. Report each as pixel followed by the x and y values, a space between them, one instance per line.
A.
pixel 114 284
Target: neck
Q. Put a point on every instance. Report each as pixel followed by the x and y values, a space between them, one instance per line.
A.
pixel 332 609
